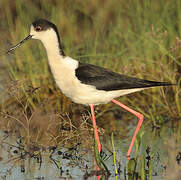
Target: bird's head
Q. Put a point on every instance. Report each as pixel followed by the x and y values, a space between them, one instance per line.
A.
pixel 40 29
pixel 43 30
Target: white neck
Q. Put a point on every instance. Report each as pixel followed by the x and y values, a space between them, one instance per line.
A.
pixel 51 45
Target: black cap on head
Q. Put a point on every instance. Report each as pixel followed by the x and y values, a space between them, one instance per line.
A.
pixel 44 24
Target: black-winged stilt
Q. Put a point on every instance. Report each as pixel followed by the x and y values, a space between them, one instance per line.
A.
pixel 85 83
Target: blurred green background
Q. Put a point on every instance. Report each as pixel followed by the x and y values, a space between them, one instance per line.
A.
pixel 137 38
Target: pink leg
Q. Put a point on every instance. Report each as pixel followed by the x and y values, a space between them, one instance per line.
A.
pixel 140 121
pixel 96 133
pixel 95 128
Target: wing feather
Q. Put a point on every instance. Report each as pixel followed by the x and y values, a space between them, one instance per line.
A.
pixel 104 79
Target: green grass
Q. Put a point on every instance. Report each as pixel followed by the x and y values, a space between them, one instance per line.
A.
pixel 137 38
pixel 114 156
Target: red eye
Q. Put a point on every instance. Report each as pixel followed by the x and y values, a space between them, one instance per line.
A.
pixel 38 28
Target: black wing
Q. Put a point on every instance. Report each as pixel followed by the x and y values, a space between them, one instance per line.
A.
pixel 104 79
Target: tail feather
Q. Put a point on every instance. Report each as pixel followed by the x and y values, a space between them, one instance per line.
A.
pixel 156 83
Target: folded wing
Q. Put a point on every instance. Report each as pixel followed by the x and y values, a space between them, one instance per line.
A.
pixel 106 80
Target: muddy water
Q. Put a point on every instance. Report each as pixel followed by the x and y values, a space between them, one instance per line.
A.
pixel 79 163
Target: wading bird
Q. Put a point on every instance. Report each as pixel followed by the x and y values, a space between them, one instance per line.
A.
pixel 86 84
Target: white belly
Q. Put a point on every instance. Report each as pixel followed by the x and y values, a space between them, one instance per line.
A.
pixel 88 94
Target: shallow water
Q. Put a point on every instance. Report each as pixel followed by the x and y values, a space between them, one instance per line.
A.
pixel 79 163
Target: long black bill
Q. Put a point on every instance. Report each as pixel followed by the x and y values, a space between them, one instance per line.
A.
pixel 19 44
